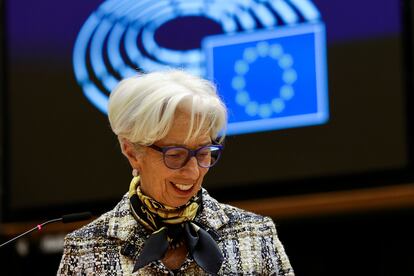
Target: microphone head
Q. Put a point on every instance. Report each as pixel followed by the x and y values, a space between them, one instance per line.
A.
pixel 76 217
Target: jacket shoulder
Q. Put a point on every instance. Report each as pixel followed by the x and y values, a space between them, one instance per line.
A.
pixel 111 224
pixel 88 248
pixel 239 216
pixel 251 245
pixel 97 228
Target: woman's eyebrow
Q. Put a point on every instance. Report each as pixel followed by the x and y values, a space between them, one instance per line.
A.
pixel 185 146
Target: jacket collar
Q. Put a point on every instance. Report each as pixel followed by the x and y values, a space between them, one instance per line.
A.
pixel 123 226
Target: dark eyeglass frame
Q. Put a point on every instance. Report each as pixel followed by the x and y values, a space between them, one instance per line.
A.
pixel 191 153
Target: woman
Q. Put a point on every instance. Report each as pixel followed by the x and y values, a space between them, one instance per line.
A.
pixel 168 125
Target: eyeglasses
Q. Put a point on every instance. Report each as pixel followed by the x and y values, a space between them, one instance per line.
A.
pixel 177 157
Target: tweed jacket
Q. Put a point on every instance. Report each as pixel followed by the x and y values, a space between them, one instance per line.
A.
pixel 110 244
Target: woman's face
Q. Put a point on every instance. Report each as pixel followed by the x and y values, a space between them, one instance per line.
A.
pixel 171 187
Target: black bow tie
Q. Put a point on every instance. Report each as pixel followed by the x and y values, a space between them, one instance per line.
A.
pixel 201 246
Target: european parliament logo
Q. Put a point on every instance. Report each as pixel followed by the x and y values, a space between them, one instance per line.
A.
pixel 268 57
pixel 271 79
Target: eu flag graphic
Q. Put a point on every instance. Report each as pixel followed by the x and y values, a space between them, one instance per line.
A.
pixel 271 79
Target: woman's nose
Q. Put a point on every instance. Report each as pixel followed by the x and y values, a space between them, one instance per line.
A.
pixel 191 169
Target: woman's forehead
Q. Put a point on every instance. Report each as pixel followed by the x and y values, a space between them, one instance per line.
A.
pixel 179 132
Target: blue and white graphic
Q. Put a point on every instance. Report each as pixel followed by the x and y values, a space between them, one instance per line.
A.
pixel 263 81
pixel 271 79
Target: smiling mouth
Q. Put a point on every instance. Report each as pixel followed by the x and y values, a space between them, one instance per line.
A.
pixel 182 187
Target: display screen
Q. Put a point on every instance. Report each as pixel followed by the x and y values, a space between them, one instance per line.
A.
pixel 315 91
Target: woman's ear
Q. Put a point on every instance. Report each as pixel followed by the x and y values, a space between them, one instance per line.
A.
pixel 130 151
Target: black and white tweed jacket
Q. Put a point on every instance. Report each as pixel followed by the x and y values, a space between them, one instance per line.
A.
pixel 109 244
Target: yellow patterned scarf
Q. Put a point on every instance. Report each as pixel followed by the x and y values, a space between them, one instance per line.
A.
pixel 171 227
pixel 154 215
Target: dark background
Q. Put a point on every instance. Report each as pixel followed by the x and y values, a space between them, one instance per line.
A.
pixel 60 151
pixel 59 155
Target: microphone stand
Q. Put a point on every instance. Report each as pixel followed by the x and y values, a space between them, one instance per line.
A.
pixel 64 219
pixel 38 227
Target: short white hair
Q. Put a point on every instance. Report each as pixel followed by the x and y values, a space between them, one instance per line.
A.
pixel 141 109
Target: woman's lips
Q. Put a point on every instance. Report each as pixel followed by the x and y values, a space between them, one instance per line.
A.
pixel 182 188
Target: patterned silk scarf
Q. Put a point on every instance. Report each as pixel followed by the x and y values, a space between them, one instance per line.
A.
pixel 170 226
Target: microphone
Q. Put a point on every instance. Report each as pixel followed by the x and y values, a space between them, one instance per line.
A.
pixel 65 219
pixel 76 217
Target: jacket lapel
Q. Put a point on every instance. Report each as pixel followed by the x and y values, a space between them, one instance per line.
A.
pixel 212 215
pixel 123 226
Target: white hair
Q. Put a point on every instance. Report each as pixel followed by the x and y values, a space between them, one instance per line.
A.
pixel 142 108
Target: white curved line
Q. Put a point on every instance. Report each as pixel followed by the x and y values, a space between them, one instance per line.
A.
pixel 245 19
pixel 131 49
pixel 264 15
pixel 307 8
pixel 96 97
pixel 285 11
pixel 96 51
pixel 79 50
pixel 114 53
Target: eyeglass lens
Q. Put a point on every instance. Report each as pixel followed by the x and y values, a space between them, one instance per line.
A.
pixel 177 157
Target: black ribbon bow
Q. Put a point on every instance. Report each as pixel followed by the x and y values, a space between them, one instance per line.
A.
pixel 201 246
